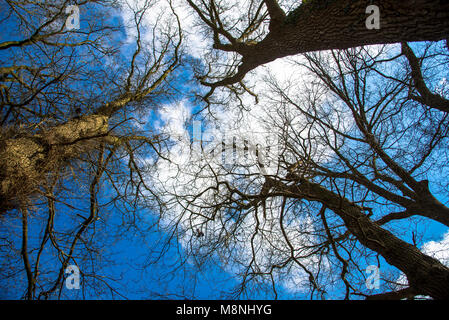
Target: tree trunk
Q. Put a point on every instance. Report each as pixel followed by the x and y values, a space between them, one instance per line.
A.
pixel 26 159
pixel 330 24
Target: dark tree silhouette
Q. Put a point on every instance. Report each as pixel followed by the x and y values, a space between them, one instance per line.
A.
pixel 313 25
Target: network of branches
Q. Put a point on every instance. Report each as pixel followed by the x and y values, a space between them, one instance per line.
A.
pixel 360 120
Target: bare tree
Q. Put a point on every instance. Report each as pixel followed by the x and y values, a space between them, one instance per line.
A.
pixel 362 146
pixel 360 152
pixel 262 31
pixel 70 102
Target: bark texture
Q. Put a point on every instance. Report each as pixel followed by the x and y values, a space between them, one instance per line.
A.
pixel 25 160
pixel 340 24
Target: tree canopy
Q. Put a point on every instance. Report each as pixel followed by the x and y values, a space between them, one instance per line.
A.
pixel 281 149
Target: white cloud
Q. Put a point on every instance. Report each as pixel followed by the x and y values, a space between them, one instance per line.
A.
pixel 188 182
pixel 161 14
pixel 438 249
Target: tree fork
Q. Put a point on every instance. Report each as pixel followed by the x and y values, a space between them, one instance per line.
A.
pixel 328 24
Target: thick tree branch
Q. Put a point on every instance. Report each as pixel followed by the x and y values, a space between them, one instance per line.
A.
pixel 426 96
pixel 277 15
pixel 423 272
pixel 323 24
